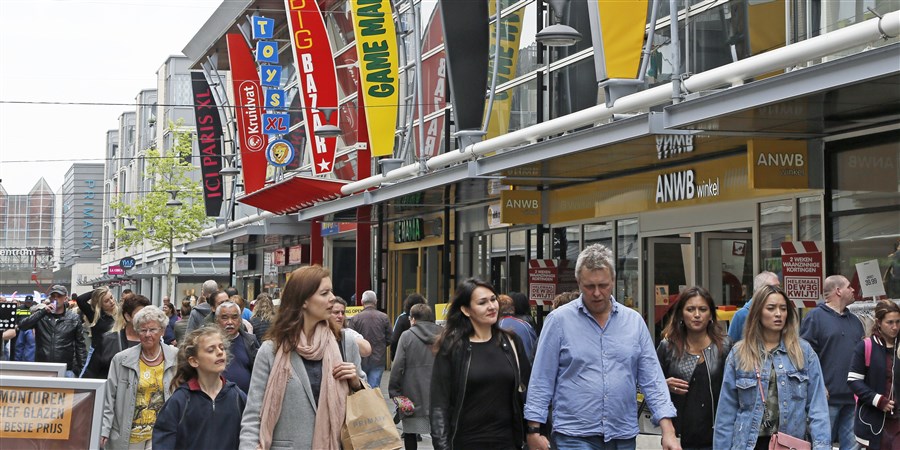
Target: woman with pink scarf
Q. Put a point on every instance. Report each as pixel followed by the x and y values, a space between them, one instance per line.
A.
pixel 300 380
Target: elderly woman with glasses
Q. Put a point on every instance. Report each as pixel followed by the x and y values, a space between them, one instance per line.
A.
pixel 136 386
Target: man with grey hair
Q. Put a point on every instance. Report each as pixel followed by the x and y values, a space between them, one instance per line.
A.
pixel 736 327
pixel 833 331
pixel 375 327
pixel 243 345
pixel 591 355
pixel 203 307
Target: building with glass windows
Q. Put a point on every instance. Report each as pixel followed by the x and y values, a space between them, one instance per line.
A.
pixel 702 145
pixel 26 239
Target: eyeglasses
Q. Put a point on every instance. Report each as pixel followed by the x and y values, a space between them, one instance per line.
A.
pixel 148 331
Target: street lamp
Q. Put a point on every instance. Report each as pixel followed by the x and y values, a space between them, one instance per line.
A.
pixel 328 130
pixel 557 34
pixel 174 201
pixel 232 170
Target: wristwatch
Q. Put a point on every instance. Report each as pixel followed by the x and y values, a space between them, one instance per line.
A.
pixel 532 429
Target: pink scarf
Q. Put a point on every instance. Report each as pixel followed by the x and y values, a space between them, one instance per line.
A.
pixel 332 394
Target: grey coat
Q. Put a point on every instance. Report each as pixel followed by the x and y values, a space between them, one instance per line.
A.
pixel 122 389
pixel 411 371
pixel 298 409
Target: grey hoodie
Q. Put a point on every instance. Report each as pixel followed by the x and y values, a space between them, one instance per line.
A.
pixel 411 371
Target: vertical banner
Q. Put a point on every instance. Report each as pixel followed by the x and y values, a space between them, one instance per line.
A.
pixel 317 77
pixel 801 268
pixel 209 140
pixel 376 48
pixel 434 88
pixel 617 31
pixel 249 111
pixel 510 32
pixel 467 41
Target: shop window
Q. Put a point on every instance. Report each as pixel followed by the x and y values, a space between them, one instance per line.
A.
pixel 809 226
pixel 864 237
pixel 601 233
pixel 775 227
pixel 627 263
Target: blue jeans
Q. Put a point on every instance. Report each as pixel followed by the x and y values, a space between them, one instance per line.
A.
pixel 565 442
pixel 373 374
pixel 841 418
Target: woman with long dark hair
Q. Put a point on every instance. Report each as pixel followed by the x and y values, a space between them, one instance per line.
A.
pixel 479 376
pixel 692 355
pixel 301 355
pixel 875 380
pixel 772 382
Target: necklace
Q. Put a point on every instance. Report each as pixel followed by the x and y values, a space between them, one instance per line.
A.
pixel 147 358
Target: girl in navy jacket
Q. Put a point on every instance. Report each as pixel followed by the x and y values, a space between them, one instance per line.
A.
pixel 205 410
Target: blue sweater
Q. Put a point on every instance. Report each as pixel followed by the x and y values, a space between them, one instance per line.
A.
pixel 834 337
pixel 190 419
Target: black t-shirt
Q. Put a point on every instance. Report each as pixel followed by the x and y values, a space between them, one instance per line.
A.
pixel 486 419
pixel 696 416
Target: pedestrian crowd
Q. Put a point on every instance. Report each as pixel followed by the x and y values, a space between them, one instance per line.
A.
pixel 214 372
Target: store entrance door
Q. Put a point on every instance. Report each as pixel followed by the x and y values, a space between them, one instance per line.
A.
pixel 668 267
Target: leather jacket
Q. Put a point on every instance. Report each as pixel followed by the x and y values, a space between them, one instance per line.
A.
pixel 59 338
pixel 683 368
pixel 448 389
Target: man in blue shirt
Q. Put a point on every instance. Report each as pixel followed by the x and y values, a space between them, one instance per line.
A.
pixel 736 327
pixel 591 355
pixel 833 332
pixel 244 345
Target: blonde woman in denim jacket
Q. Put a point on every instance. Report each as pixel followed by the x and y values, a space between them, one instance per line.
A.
pixel 772 352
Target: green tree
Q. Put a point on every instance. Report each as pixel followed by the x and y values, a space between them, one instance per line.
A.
pixel 164 225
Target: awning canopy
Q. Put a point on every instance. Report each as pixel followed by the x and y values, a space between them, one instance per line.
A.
pixel 294 194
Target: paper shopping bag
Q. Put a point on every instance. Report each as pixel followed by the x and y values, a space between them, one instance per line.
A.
pixel 368 424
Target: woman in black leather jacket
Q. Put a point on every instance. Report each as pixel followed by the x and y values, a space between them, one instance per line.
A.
pixel 692 355
pixel 479 376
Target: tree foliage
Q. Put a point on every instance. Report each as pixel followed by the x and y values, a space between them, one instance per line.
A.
pixel 163 225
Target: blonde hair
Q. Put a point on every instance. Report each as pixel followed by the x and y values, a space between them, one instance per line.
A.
pixel 751 350
pixel 97 304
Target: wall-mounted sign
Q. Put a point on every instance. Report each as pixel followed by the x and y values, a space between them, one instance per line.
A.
pixel 295 254
pixel 314 61
pixel 778 164
pixel 115 270
pixel 127 263
pixel 17 252
pixel 275 99
pixel 520 206
pixel 376 45
pixel 269 75
pixel 267 52
pixel 493 216
pixel 262 27
pixel 276 123
pixel 209 140
pixel 242 262
pixel 434 84
pixel 280 153
pixel 511 26
pixel 409 230
pixel 671 145
pixel 617 30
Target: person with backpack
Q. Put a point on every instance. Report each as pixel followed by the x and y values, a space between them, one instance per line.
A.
pixel 874 379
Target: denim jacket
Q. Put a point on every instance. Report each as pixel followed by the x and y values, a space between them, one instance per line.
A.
pixel 801 395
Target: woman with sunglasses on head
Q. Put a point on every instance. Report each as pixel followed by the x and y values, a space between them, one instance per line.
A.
pixel 137 386
pixel 874 379
pixel 479 376
pixel 692 355
pixel 772 381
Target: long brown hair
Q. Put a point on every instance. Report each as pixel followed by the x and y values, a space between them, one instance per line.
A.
pixel 190 348
pixel 458 326
pixel 752 348
pixel 676 332
pixel 882 309
pixel 304 282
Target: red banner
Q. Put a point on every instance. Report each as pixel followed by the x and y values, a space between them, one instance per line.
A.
pixel 317 77
pixel 801 267
pixel 434 89
pixel 248 100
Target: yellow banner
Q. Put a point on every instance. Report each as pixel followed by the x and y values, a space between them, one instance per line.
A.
pixel 352 311
pixel 778 164
pixel 440 311
pixel 622 25
pixel 376 48
pixel 510 34
pixel 34 413
pixel 519 206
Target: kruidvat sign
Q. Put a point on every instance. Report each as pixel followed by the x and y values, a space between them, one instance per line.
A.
pixel 209 139
pixel 249 111
pixel 317 77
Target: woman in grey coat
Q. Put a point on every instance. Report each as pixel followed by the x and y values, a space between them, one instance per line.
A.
pixel 300 382
pixel 411 372
pixel 137 385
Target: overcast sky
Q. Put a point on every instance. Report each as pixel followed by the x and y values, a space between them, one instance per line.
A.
pixel 80 52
